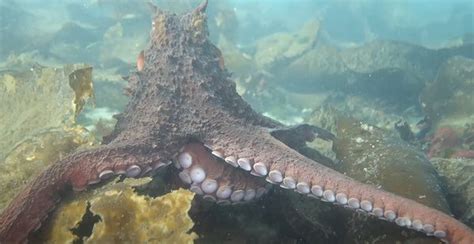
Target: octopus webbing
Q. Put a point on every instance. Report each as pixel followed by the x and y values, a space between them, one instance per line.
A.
pixel 185 108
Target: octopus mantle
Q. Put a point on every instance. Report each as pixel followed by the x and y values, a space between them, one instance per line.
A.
pixel 181 99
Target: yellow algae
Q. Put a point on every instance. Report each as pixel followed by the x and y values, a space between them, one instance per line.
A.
pixel 35 153
pixel 10 83
pixel 37 122
pixel 68 217
pixel 80 81
pixel 35 98
pixel 282 46
pixel 45 76
pixel 237 61
pixel 125 217
pixel 448 100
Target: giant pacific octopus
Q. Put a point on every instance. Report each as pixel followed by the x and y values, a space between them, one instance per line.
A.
pixel 184 108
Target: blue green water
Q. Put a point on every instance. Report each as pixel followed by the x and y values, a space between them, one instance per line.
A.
pixel 297 61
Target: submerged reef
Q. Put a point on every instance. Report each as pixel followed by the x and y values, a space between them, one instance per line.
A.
pixel 383 69
pixel 279 48
pixel 115 213
pixel 44 96
pixel 49 100
pixel 181 93
pixel 379 157
pixel 35 153
pixel 449 99
pixel 457 174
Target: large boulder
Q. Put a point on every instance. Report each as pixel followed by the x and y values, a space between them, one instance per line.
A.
pixel 449 98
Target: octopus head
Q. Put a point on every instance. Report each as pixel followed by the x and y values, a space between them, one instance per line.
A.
pixel 171 30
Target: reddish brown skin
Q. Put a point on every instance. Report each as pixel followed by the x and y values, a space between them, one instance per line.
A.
pixel 444 138
pixel 140 61
pixel 463 154
pixel 184 94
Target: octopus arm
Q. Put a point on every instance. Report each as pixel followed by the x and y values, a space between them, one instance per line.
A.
pixel 260 154
pixel 299 134
pixel 28 210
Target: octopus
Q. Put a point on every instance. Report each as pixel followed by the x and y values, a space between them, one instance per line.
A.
pixel 184 111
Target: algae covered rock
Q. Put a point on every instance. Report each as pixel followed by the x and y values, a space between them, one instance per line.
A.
pixel 35 98
pixel 234 59
pixel 459 178
pixel 38 119
pixel 34 154
pixel 378 157
pixel 315 221
pixel 116 214
pixel 416 60
pixel 320 68
pixel 449 99
pixel 394 72
pixel 384 70
pixel 280 47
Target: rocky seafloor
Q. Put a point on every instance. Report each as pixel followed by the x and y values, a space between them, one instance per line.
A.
pixel 398 109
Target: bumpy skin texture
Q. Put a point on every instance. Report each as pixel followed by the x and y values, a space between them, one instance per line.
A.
pixel 182 95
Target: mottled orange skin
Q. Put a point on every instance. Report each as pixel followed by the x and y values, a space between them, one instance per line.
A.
pixel 140 61
pixel 184 94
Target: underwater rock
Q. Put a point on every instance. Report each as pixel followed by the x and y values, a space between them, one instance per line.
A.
pixel 119 41
pixel 393 71
pixel 318 69
pixel 234 59
pixel 45 130
pixel 116 214
pixel 448 99
pixel 443 142
pixel 373 156
pixel 377 157
pixel 413 59
pixel 279 48
pixel 312 220
pixel 14 36
pixel 35 153
pixel 73 43
pixel 74 33
pixel 451 142
pixel 254 222
pixel 377 69
pixel 44 96
pixel 225 23
pixel 457 173
pixel 328 224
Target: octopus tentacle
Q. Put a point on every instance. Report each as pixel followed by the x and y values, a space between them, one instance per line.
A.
pixel 31 207
pixel 262 155
pixel 216 181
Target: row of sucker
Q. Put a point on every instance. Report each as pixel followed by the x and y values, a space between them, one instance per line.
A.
pixel 220 188
pixel 133 171
pixel 277 177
